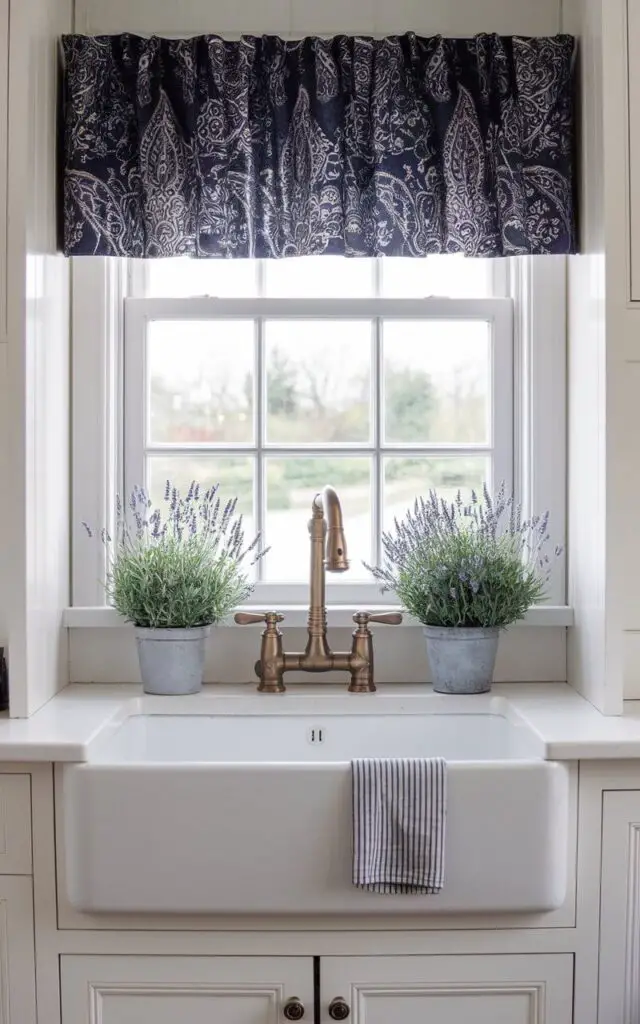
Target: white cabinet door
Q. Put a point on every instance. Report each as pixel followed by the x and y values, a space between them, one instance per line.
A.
pixel 17 959
pixel 183 990
pixel 619 989
pixel 507 989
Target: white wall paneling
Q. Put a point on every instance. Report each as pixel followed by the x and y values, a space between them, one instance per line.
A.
pixel 622 103
pixel 633 280
pixel 301 17
pixel 526 653
pixel 4 83
pixel 5 589
pixel 4 129
pixel 586 378
pixel 37 491
pixel 604 555
pixel 622 379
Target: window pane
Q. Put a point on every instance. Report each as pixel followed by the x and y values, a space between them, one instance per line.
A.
pixel 437 381
pixel 408 479
pixel 291 487
pixel 303 277
pixel 318 381
pixel 235 477
pixel 451 276
pixel 177 278
pixel 201 381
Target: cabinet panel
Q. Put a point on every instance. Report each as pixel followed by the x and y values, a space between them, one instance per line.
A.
pixel 188 990
pixel 633 14
pixel 15 824
pixel 17 959
pixel 4 124
pixel 451 989
pixel 619 989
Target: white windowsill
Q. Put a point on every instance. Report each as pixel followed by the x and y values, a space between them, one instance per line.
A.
pixel 296 615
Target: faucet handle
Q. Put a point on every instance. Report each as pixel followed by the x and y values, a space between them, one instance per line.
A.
pixel 269 667
pixel 362 619
pixel 249 618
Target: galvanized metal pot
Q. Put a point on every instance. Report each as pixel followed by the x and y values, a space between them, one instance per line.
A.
pixel 171 660
pixel 461 660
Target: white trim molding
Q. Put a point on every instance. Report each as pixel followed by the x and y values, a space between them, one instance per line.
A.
pixel 497 313
pixel 539 288
pixel 338 615
pixel 528 314
pixel 97 421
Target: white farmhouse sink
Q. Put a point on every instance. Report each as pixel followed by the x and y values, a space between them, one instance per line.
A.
pixel 247 813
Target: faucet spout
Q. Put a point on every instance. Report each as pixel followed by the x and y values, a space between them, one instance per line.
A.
pixel 328 554
pixel 327 504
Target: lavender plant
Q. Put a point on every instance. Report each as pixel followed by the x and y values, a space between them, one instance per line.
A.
pixel 181 567
pixel 467 565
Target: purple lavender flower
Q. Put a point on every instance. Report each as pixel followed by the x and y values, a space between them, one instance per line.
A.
pixel 470 564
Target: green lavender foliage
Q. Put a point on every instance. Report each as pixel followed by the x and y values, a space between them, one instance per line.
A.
pixel 180 568
pixel 475 565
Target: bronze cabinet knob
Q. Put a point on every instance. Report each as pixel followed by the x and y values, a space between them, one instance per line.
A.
pixel 339 1009
pixel 293 1009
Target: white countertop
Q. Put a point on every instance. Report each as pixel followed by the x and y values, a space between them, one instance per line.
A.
pixel 568 726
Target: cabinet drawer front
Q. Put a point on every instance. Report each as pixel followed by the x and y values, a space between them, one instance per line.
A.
pixel 15 824
pixel 505 989
pixel 183 990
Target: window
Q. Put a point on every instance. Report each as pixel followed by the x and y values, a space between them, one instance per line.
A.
pixel 381 377
pixel 289 375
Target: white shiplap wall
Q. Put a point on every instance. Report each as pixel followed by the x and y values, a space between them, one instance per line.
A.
pixel 35 527
pixel 604 376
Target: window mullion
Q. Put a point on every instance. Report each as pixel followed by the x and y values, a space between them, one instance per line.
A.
pixel 261 278
pixel 260 402
pixel 212 308
pixel 377 482
pixel 377 277
pixel 136 394
pixel 326 450
pixel 378 413
pixel 137 278
pixel 502 414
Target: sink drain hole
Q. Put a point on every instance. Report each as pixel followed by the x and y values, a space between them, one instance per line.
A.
pixel 316 734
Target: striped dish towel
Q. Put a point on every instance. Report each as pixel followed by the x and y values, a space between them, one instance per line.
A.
pixel 399 811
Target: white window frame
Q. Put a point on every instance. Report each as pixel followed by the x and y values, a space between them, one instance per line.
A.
pixel 528 319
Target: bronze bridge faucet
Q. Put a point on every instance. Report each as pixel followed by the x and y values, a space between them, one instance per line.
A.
pixel 328 552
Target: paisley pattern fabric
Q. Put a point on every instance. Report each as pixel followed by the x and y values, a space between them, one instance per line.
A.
pixel 261 147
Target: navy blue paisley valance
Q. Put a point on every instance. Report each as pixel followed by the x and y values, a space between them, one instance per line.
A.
pixel 404 146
